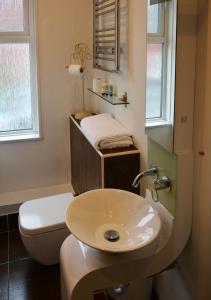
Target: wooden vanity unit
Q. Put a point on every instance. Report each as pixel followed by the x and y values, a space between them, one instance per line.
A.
pixel 93 169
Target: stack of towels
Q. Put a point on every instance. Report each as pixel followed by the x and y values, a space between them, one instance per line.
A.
pixel 104 132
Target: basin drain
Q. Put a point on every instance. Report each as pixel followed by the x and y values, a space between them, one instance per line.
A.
pixel 111 235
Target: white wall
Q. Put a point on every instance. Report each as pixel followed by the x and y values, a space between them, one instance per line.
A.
pixel 196 259
pixel 132 76
pixel 195 265
pixel 32 165
pixel 26 165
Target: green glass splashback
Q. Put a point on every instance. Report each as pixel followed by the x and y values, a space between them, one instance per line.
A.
pixel 166 163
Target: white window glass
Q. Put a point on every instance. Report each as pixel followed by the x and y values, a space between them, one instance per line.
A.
pixel 154 18
pixel 156 62
pixel 154 81
pixel 18 73
pixel 160 63
pixel 11 16
pixel 15 90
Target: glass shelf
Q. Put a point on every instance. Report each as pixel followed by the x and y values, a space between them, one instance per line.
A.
pixel 111 99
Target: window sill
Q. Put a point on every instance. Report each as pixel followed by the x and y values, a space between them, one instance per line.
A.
pixel 158 123
pixel 20 138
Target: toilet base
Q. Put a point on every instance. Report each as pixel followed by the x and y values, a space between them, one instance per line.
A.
pixel 45 248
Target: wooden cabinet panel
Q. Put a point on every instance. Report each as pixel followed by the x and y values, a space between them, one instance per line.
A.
pixel 91 169
pixel 78 159
pixel 120 172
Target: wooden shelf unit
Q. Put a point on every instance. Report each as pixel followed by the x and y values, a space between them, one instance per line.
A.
pixel 93 169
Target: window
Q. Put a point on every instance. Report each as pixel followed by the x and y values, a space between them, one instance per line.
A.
pixel 18 72
pixel 160 65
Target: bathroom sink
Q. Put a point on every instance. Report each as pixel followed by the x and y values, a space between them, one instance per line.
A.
pixel 113 220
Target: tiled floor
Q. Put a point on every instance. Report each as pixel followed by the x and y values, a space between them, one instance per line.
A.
pixel 21 278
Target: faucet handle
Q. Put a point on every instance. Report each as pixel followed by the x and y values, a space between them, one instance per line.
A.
pixel 163 183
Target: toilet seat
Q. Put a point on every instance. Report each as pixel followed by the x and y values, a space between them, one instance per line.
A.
pixel 42 226
pixel 44 215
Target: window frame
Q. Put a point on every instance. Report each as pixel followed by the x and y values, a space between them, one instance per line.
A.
pixel 165 38
pixel 28 35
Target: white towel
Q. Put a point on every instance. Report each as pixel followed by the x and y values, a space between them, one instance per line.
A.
pixel 104 132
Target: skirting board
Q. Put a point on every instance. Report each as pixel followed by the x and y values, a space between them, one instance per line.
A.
pixel 10 202
pixel 170 285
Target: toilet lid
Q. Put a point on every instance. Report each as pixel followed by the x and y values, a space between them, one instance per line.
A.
pixel 44 214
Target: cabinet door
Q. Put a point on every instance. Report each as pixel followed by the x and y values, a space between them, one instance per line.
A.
pixel 120 172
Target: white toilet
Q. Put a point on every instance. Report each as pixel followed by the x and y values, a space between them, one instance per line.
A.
pixel 42 226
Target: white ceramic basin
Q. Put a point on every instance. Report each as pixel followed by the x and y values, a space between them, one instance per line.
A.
pixel 113 220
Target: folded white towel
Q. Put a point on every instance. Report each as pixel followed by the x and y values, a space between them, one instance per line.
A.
pixel 104 132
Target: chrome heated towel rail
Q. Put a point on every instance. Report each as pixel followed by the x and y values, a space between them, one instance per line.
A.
pixel 106 37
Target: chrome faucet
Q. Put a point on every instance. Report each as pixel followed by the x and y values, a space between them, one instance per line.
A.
pixel 161 184
pixel 153 170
